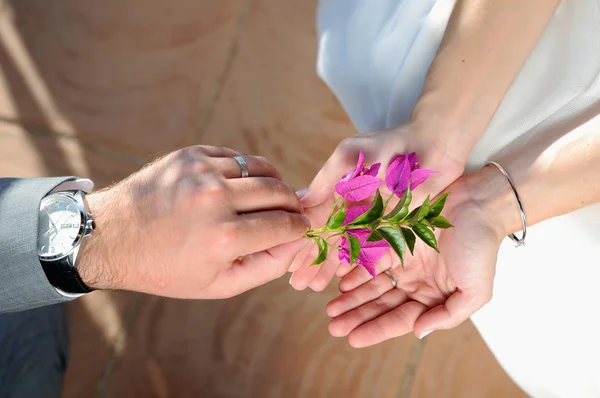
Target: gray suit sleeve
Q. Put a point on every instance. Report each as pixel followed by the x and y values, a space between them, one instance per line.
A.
pixel 23 284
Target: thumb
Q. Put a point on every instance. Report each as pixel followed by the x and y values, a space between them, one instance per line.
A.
pixel 323 185
pixel 473 267
pixel 259 268
pixel 457 309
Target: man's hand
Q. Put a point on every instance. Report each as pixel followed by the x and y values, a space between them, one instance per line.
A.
pixel 188 226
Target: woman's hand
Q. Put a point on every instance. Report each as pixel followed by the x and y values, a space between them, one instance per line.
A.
pixel 435 290
pixel 187 226
pixel 457 102
pixel 439 291
pixel 381 146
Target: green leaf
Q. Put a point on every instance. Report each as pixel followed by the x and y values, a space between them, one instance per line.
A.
pixel 401 215
pixel 437 206
pixel 396 239
pixel 410 239
pixel 354 248
pixel 426 236
pixel 419 213
pixel 424 208
pixel 322 250
pixel 413 217
pixel 374 224
pixel 401 209
pixel 374 236
pixel 338 218
pixel 374 213
pixel 441 222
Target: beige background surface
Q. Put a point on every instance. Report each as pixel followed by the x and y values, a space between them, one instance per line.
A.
pixel 99 88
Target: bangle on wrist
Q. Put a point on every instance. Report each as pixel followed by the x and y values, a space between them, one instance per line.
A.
pixel 519 241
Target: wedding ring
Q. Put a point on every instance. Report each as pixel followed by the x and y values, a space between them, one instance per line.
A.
pixel 243 165
pixel 392 278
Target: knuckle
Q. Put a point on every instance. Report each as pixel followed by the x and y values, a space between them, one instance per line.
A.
pixel 227 236
pixel 221 151
pixel 265 164
pixel 288 223
pixel 347 146
pixel 381 303
pixel 192 153
pixel 347 150
pixel 280 189
pixel 284 220
pixel 214 148
pixel 204 189
pixel 213 192
pixel 199 189
pixel 191 160
pixel 263 160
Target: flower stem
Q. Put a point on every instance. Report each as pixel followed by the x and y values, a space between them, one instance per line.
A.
pixel 333 236
pixel 387 202
pixel 341 230
pixel 333 209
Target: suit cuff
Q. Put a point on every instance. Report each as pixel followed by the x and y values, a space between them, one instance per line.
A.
pixel 23 283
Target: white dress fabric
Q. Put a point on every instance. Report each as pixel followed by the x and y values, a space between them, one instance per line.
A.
pixel 543 323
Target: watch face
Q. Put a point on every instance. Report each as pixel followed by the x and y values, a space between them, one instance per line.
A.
pixel 60 226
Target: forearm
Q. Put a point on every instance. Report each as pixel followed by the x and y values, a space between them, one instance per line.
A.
pixel 102 265
pixel 484 47
pixel 552 179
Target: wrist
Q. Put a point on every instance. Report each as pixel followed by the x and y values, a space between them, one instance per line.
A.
pixel 435 151
pixel 454 112
pixel 454 135
pixel 490 191
pixel 97 265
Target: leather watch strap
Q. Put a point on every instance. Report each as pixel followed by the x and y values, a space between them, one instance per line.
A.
pixel 63 275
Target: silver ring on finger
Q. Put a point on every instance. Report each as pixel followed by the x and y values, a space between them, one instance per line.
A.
pixel 392 278
pixel 243 165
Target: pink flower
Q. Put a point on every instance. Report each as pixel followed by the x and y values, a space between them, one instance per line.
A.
pixel 352 213
pixel 405 171
pixel 360 183
pixel 370 252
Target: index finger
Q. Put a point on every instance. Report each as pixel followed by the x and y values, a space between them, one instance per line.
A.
pixel 259 268
pixel 266 229
pixel 396 323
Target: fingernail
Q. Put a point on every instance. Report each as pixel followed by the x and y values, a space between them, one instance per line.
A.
pixel 301 193
pixel 425 334
pixel 306 220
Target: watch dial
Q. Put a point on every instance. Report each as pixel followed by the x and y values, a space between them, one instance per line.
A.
pixel 60 222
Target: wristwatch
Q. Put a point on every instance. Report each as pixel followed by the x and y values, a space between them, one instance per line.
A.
pixel 65 224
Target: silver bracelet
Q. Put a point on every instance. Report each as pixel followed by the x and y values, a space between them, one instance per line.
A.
pixel 518 241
